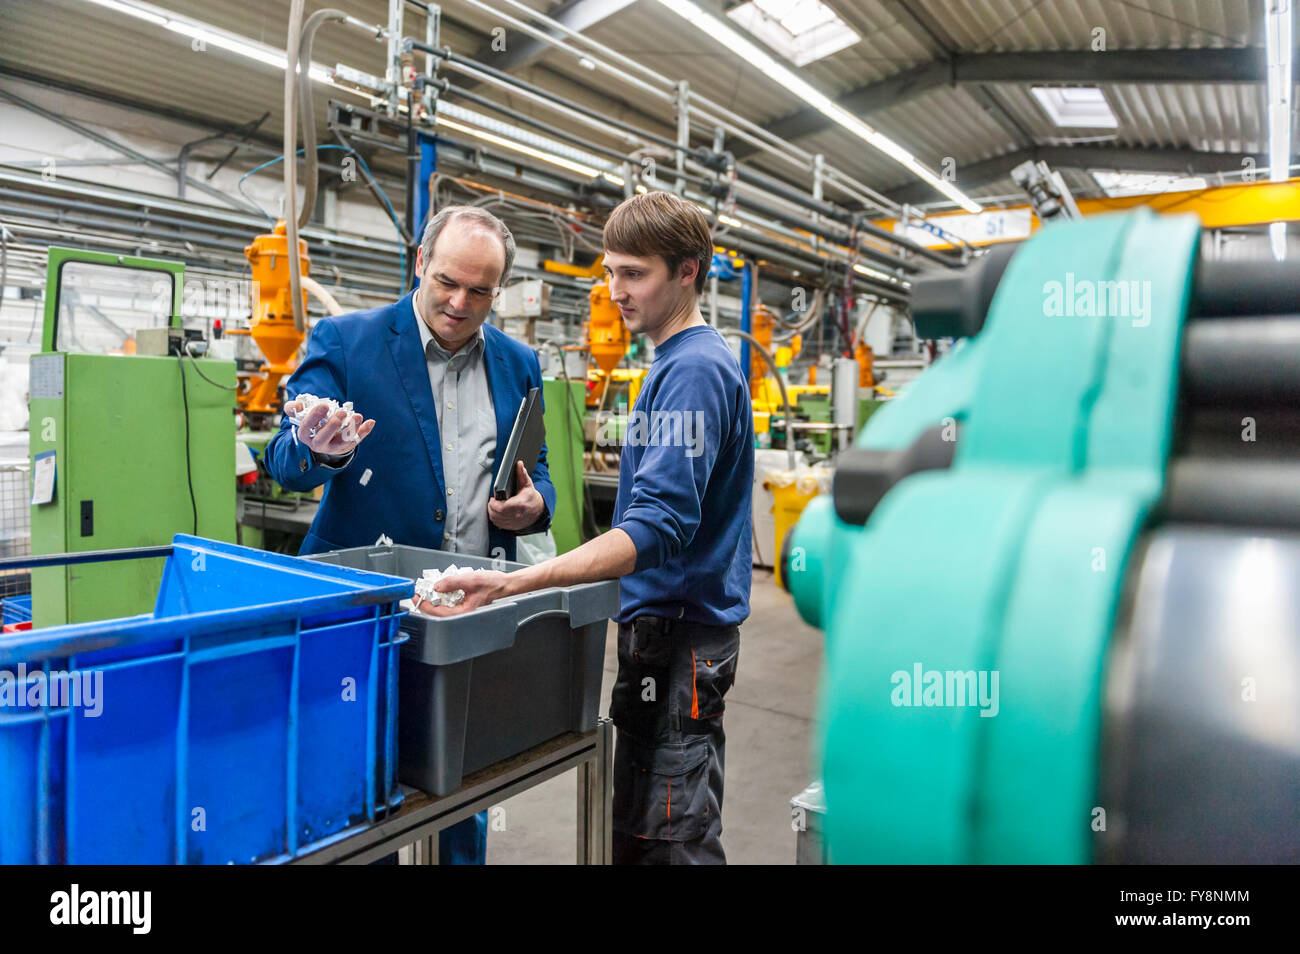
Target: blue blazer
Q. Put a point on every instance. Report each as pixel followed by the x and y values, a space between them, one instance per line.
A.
pixel 375 359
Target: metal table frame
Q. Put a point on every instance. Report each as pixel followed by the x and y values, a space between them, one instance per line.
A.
pixel 412 830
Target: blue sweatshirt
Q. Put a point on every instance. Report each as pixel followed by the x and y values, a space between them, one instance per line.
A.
pixel 685 485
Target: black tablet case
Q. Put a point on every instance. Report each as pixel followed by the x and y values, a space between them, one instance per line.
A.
pixel 525 444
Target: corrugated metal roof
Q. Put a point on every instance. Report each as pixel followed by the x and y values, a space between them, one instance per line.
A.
pixel 982 26
pixel 1215 117
pixel 85 43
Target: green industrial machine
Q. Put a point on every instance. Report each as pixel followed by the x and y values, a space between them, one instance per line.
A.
pixel 563 419
pixel 1047 570
pixel 138 447
pixel 816 408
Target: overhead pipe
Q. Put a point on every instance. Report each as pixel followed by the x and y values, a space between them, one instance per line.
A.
pixel 788 218
pixel 588 118
pixel 746 314
pixel 865 194
pixel 701 156
pixel 624 160
pixel 33 186
pixel 307 110
pixel 843 216
pixel 774 146
pixel 780 383
pixel 455 58
pixel 714 189
pixel 796 220
pixel 447 89
pixel 113 231
pixel 788 258
pixel 35 236
pixel 545 37
pixel 574 139
pixel 291 164
pixel 707 109
pixel 413 161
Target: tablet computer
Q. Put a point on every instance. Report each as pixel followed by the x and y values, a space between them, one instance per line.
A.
pixel 525 444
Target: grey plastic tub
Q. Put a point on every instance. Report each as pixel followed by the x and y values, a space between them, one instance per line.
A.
pixel 486 685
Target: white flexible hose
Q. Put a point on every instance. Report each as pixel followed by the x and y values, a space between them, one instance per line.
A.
pixel 291 163
pixel 319 292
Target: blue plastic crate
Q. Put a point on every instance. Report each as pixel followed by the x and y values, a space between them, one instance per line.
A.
pixel 251 717
pixel 15 609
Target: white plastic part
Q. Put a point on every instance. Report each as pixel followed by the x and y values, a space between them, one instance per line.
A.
pixel 424 591
pixel 308 401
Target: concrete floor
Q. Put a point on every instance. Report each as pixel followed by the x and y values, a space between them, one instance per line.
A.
pixel 769 733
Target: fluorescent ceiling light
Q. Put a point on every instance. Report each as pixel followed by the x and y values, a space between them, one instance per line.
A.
pixel 618 181
pixel 548 146
pixel 135 10
pixel 505 143
pixel 210 35
pixel 761 61
pixel 1278 31
pixel 1278 43
pixel 873 273
pixel 1076 106
pixel 1116 184
pixel 800 30
pixel 1278 239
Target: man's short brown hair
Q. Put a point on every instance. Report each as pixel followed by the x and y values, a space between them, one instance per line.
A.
pixel 660 223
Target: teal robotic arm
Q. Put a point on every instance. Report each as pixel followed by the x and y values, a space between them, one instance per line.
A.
pixel 1005 566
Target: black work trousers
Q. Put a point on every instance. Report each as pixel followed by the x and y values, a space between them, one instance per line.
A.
pixel 667 706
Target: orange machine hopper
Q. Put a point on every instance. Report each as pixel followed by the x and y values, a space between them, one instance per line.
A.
pixel 607 338
pixel 272 324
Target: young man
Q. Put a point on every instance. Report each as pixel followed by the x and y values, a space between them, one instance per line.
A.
pixel 681 542
pixel 443 386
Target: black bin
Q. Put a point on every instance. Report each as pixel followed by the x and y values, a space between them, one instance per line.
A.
pixel 486 685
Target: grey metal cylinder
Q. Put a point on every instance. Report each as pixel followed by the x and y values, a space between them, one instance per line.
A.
pixel 1247 288
pixel 1200 760
pixel 844 400
pixel 1255 359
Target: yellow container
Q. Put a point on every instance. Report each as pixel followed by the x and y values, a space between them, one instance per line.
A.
pixel 790 495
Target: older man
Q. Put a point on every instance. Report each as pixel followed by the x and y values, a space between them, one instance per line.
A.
pixel 440 389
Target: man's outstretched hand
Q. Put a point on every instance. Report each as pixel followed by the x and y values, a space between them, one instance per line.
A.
pixel 607 557
pixel 324 432
pixel 481 588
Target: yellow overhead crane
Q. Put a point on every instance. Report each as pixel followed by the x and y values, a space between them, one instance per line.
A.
pixel 1247 203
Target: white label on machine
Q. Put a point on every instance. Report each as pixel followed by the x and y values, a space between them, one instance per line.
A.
pixel 995 225
pixel 43 478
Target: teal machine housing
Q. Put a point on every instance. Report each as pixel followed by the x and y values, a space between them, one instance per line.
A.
pixel 989 534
